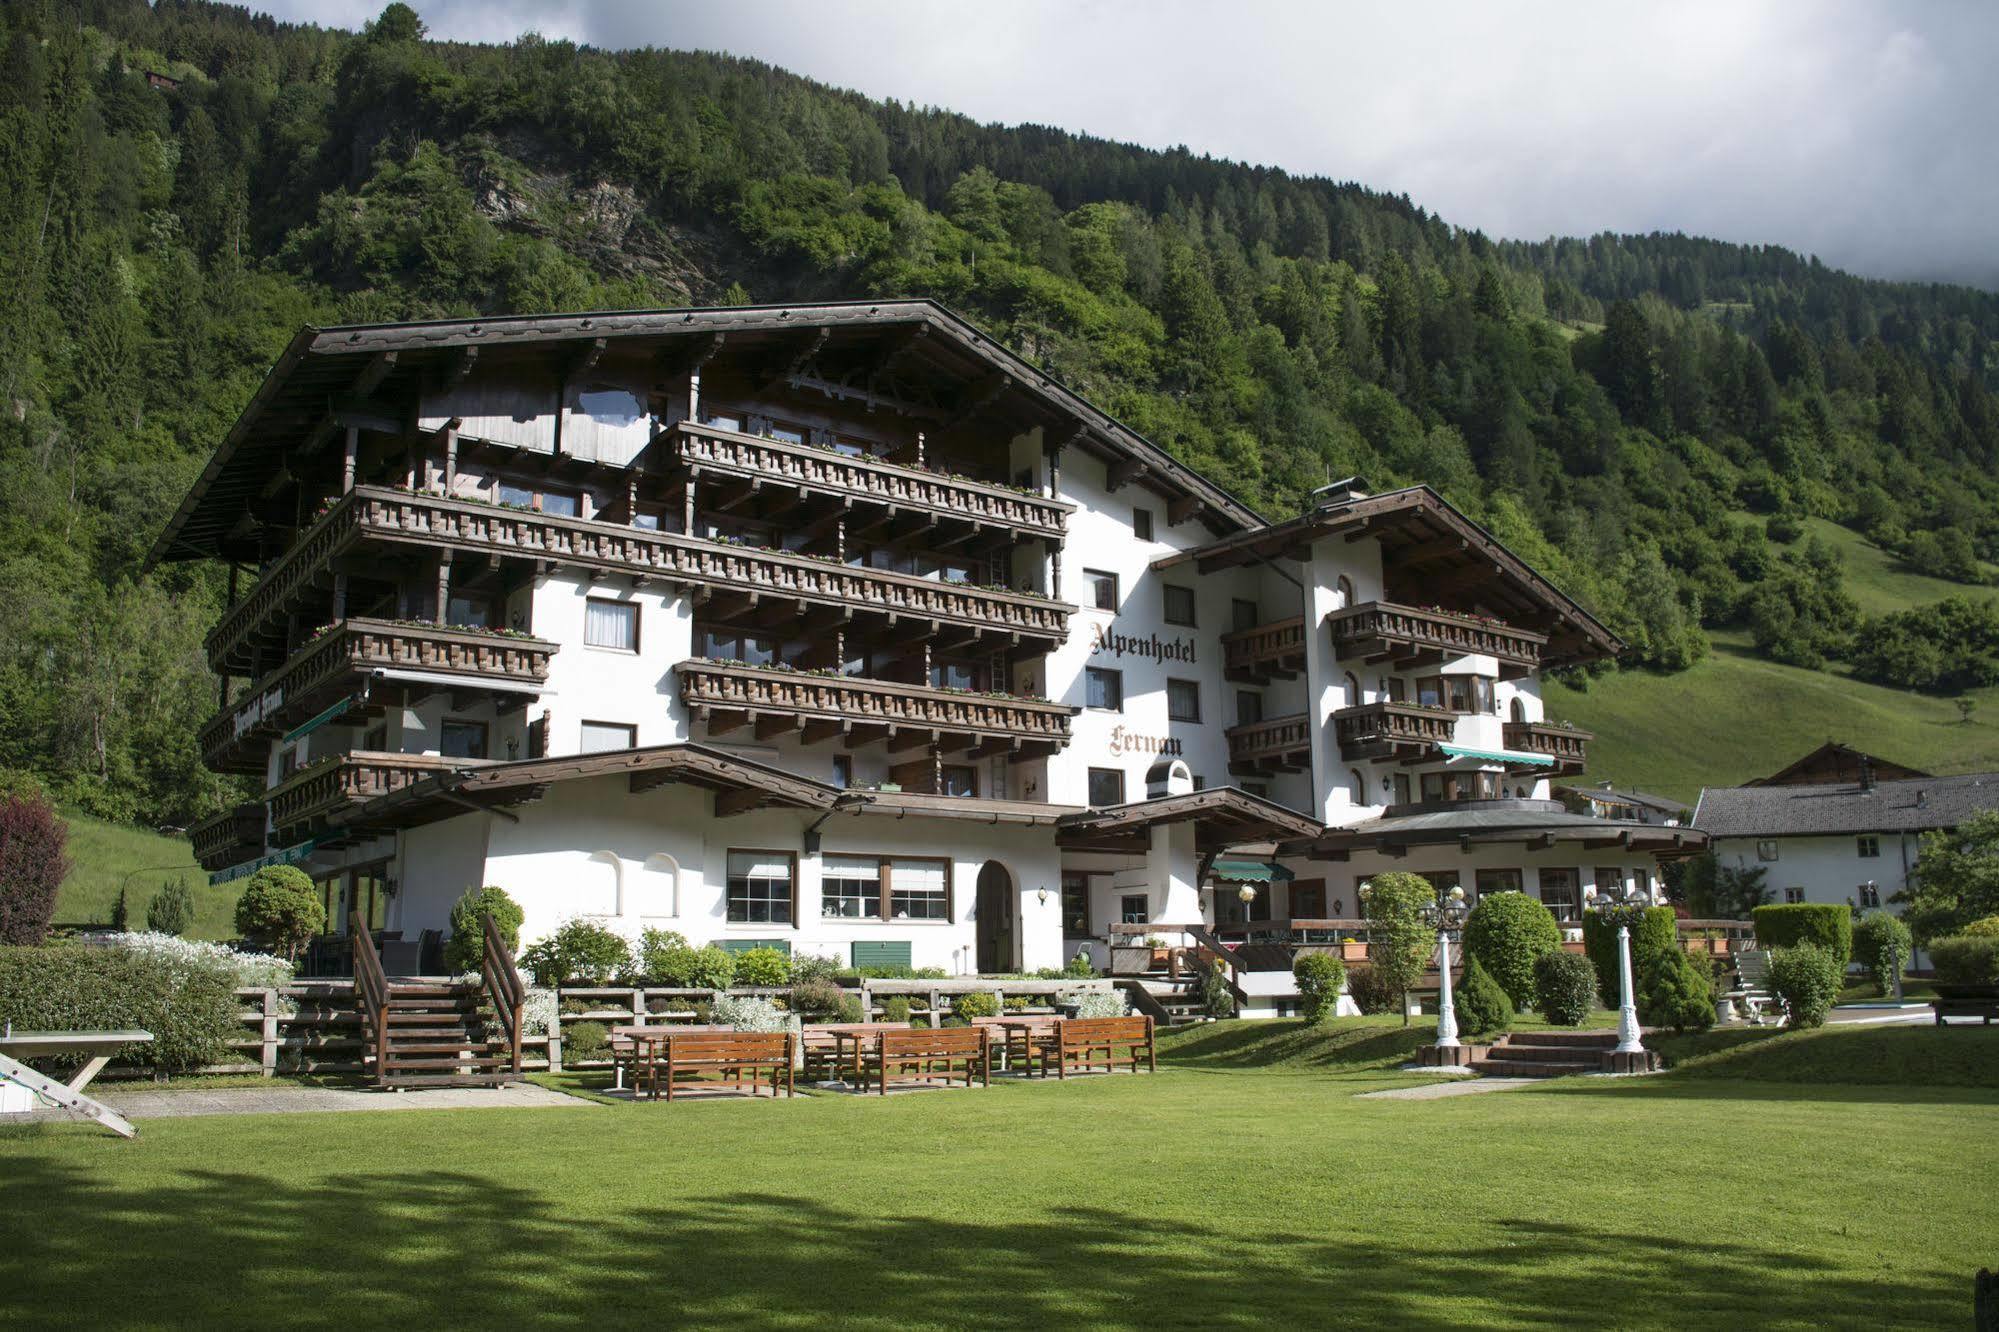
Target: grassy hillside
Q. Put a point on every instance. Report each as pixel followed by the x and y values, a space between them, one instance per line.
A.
pixel 1735 716
pixel 1878 580
pixel 108 855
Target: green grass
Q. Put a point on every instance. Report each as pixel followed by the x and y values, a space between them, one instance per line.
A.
pixel 110 854
pixel 1879 581
pixel 1872 1056
pixel 1240 1186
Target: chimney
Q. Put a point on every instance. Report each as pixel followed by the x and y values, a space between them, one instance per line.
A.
pixel 1866 773
pixel 1922 797
pixel 1340 492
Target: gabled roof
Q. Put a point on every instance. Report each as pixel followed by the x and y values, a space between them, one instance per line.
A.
pixel 1429 551
pixel 1223 817
pixel 1836 808
pixel 1835 762
pixel 1606 792
pixel 325 373
pixel 1532 823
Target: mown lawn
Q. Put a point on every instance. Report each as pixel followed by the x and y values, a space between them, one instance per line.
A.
pixel 1242 1186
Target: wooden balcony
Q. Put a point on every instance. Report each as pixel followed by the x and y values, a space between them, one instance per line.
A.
pixel 229 838
pixel 977 509
pixel 341 658
pixel 314 798
pixel 1392 730
pixel 1566 745
pixel 724 697
pixel 1378 631
pixel 386 519
pixel 1267 652
pixel 1282 744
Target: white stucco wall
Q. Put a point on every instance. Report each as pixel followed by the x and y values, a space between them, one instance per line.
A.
pixel 1829 869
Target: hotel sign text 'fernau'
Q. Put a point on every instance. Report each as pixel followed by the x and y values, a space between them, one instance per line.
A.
pixel 1152 647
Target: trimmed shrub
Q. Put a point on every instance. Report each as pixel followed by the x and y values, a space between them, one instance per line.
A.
pixel 32 866
pixel 580 950
pixel 177 954
pixel 1370 993
pixel 172 909
pixel 817 1000
pixel 1506 933
pixel 1881 946
pixel 1827 926
pixel 763 966
pixel 1966 959
pixel 1807 978
pixel 280 909
pixel 1319 977
pixel 187 1002
pixel 977 1004
pixel 895 1008
pixel 1988 928
pixel 1676 991
pixel 750 1014
pixel 705 968
pixel 813 966
pixel 1483 1008
pixel 466 948
pixel 1400 941
pixel 586 1040
pixel 852 1009
pixel 1564 987
pixel 1102 1004
pixel 1652 933
pixel 1217 999
pixel 655 947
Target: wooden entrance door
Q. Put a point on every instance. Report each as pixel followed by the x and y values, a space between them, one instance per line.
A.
pixel 997 915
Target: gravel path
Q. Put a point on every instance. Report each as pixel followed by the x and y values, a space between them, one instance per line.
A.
pixel 1436 1091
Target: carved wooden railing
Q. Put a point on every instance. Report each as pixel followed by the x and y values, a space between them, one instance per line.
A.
pixel 1280 741
pixel 1386 725
pixel 706 449
pixel 1382 627
pixel 1266 650
pixel 371 990
pixel 378 515
pixel 288 695
pixel 1566 745
pixel 228 838
pixel 725 686
pixel 504 987
pixel 346 780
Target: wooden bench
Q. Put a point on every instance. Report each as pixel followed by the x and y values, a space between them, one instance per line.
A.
pixel 1085 1044
pixel 736 1057
pixel 932 1055
pixel 1981 1003
pixel 633 1047
pixel 826 1048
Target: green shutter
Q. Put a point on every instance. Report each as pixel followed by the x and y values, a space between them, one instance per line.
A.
pixel 882 953
pixel 745 945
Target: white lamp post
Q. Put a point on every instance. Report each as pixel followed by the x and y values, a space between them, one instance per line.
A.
pixel 1247 893
pixel 1628 1041
pixel 1446 916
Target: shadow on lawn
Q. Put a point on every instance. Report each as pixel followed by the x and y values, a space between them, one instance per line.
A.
pixel 432 1247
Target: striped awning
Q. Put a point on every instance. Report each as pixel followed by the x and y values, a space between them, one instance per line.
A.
pixel 1250 871
pixel 1499 756
pixel 310 725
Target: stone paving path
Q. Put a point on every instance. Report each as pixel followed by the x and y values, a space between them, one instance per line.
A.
pixel 139 1104
pixel 1437 1091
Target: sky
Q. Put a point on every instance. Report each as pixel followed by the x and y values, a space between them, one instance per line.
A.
pixel 1864 133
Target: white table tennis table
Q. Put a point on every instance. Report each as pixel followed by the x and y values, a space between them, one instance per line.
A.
pixel 97 1047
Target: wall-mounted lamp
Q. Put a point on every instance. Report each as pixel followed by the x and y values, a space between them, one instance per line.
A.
pixel 1041 896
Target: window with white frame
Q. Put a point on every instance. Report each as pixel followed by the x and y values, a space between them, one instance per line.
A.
pixel 1870 895
pixel 851 887
pixel 1868 847
pixel 601 737
pixel 1179 607
pixel 611 624
pixel 1103 589
pixel 919 889
pixel 1103 689
pixel 1793 896
pixel 760 887
pixel 1183 700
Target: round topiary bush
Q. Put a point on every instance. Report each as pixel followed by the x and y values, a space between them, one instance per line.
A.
pixel 1881 946
pixel 817 1000
pixel 1370 993
pixel 1506 933
pixel 586 1040
pixel 763 965
pixel 1319 977
pixel 1652 932
pixel 1807 978
pixel 280 909
pixel 1676 991
pixel 1482 1007
pixel 466 948
pixel 1564 987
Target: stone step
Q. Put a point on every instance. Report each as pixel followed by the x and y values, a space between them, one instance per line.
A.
pixel 448 1080
pixel 1595 1040
pixel 1525 1068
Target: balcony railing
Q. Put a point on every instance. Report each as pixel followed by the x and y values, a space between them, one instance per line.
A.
pixel 310 797
pixel 389 517
pixel 726 696
pixel 229 838
pixel 1281 744
pixel 232 740
pixel 1566 745
pixel 1380 629
pixel 1386 729
pixel 705 449
pixel 1269 651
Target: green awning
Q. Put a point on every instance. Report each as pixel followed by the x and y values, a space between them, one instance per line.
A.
pixel 1499 756
pixel 308 727
pixel 1250 871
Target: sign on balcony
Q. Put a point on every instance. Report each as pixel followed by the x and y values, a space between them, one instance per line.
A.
pixel 291 855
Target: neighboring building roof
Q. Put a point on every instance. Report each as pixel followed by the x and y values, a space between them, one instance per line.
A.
pixel 329 375
pixel 1834 762
pixel 1536 824
pixel 1223 817
pixel 1426 544
pixel 1643 799
pixel 1825 809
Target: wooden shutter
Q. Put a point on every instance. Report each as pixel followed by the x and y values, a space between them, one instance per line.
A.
pixel 882 953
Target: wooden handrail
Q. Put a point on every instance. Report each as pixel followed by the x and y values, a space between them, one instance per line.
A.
pixel 504 985
pixel 371 987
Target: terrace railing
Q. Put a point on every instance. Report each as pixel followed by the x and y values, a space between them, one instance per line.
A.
pixel 1382 629
pixel 1566 745
pixel 1278 744
pixel 1374 730
pixel 228 838
pixel 827 706
pixel 323 789
pixel 504 988
pixel 1268 651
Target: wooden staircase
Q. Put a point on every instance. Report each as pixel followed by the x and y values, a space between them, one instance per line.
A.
pixel 424 1033
pixel 1554 1054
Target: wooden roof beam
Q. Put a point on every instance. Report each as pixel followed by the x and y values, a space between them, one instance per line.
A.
pixel 373 373
pixel 1124 472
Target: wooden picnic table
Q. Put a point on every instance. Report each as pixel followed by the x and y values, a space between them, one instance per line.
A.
pixel 645 1043
pixel 1021 1033
pixel 97 1047
pixel 854 1035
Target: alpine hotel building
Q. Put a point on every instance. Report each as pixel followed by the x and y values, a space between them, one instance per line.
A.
pixel 841 627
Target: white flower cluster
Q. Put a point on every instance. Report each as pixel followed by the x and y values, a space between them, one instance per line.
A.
pixel 538 1014
pixel 1099 1004
pixel 184 955
pixel 750 1014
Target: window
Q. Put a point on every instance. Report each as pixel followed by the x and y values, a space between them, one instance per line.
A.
pixel 1200 782
pixel 1106 786
pixel 1350 692
pixel 1075 906
pixel 376 738
pixel 958 780
pixel 1306 899
pixel 843 771
pixel 559 503
pixel 611 624
pixel 469 612
pixel 1559 895
pixel 1401 780
pixel 735 645
pixel 722 420
pixel 946 673
pixel 1793 896
pixel 1183 700
pixel 1458 693
pixel 1248 707
pixel 1461 786
pixel 1441 880
pixel 1767 849
pixel 850 887
pixel 1135 909
pixel 1496 881
pixel 1243 613
pixel 288 762
pixel 1141 524
pixel 761 887
pixel 1179 604
pixel 1258 789
pixel 1609 879
pixel 1105 689
pixel 600 737
pixel 1869 848
pixel 1396 688
pixel 1103 589
pixel 1344 586
pixel 463 739
pixel 919 889
pixel 1870 895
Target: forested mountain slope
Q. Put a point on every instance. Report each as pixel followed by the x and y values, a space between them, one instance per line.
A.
pixel 1652 420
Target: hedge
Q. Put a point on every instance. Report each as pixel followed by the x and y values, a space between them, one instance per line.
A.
pixel 190 1007
pixel 1966 959
pixel 1826 926
pixel 1506 933
pixel 1652 932
pixel 1807 978
pixel 1881 946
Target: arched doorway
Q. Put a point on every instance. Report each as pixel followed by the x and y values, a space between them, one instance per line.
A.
pixel 997 912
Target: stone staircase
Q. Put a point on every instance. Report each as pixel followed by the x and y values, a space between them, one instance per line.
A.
pixel 1554 1054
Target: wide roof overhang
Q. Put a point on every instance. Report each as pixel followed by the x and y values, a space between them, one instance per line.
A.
pixel 1529 824
pixel 1223 817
